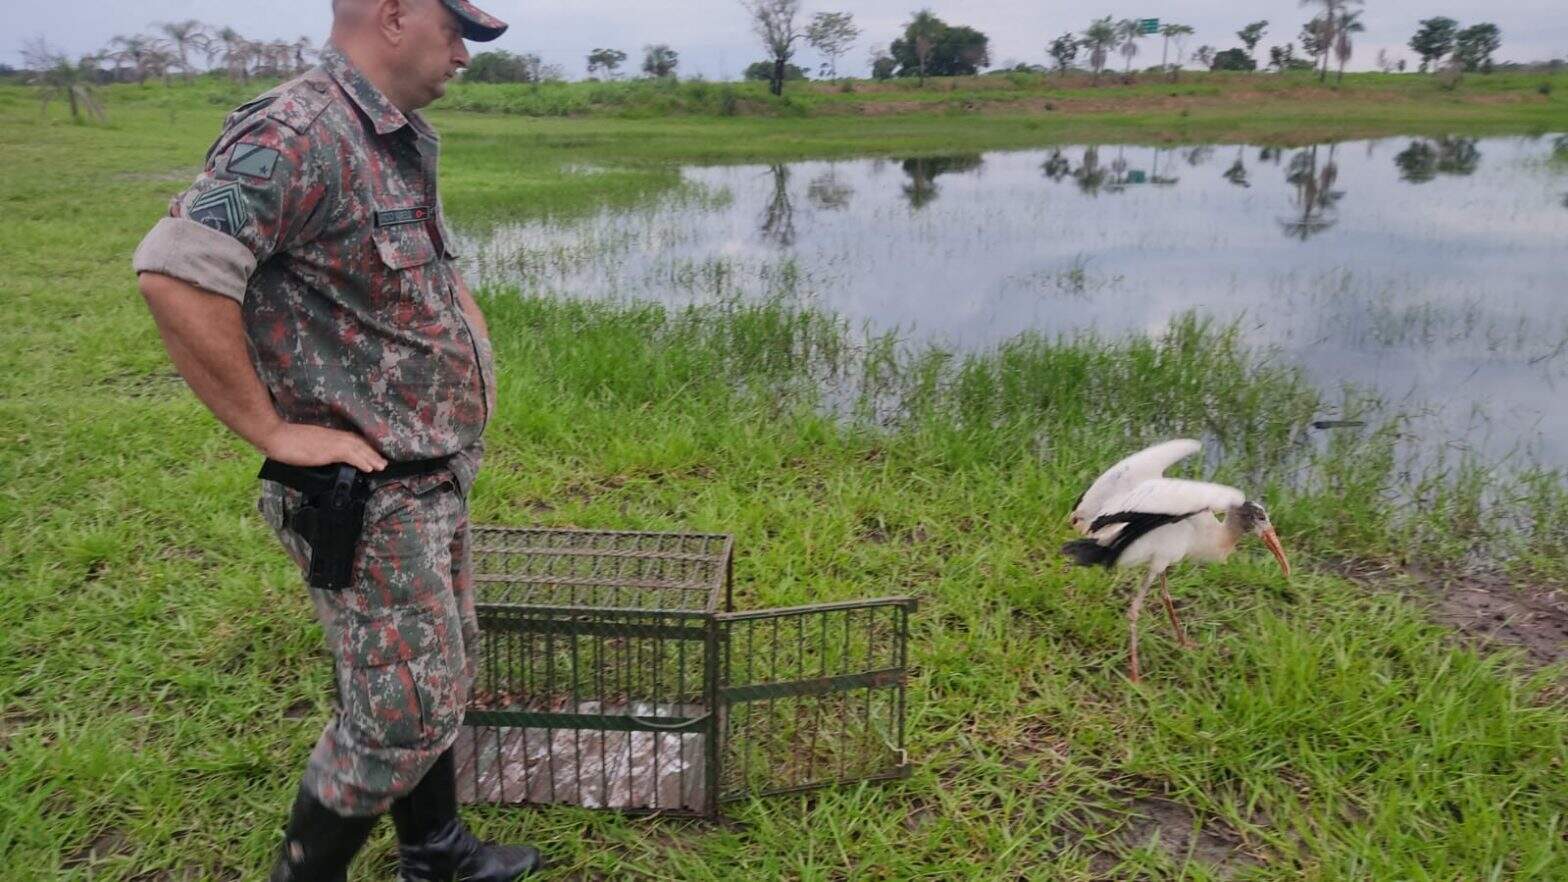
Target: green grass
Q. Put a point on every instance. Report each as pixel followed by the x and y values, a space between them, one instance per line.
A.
pixel 161 680
pixel 1361 97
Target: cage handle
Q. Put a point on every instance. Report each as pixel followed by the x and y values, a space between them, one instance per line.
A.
pixel 671 727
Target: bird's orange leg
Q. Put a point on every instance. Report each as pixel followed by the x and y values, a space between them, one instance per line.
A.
pixel 1132 626
pixel 1170 609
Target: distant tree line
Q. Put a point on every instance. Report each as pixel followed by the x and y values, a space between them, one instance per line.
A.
pixel 927 46
pixel 187 48
pixel 500 66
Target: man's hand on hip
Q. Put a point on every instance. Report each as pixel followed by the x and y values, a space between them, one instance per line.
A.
pixel 302 445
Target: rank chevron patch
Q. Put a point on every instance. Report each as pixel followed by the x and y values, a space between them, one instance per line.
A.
pixel 223 209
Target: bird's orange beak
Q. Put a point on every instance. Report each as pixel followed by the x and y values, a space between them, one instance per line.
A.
pixel 1271 539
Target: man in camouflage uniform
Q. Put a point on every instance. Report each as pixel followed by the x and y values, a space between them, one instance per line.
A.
pixel 304 287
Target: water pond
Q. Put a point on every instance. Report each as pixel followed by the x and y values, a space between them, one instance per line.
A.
pixel 1432 272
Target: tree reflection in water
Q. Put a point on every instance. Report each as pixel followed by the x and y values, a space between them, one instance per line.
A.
pixel 1313 193
pixel 1089 175
pixel 923 172
pixel 1424 160
pixel 829 193
pixel 778 216
pixel 1237 173
pixel 1057 166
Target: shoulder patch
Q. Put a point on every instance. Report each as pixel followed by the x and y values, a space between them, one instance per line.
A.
pixel 253 161
pixel 222 209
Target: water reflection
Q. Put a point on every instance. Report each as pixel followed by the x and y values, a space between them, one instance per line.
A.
pixel 829 193
pixel 778 216
pixel 1423 161
pixel 1237 173
pixel 1056 166
pixel 1314 195
pixel 1088 174
pixel 921 188
pixel 1434 279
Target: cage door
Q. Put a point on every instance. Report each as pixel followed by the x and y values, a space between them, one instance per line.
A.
pixel 812 696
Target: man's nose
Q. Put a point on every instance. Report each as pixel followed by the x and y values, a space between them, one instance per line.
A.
pixel 460 57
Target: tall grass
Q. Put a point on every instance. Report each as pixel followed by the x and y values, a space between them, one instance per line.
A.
pixel 1052 408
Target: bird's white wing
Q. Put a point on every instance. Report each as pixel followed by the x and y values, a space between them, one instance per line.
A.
pixel 1173 496
pixel 1125 476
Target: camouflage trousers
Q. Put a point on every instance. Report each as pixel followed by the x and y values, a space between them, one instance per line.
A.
pixel 401 638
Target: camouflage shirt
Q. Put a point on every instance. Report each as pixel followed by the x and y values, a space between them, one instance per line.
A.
pixel 318 211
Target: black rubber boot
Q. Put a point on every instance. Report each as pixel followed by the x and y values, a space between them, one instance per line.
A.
pixel 434 846
pixel 318 843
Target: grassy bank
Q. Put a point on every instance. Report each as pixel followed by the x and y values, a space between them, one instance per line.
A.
pixel 160 685
pixel 1196 103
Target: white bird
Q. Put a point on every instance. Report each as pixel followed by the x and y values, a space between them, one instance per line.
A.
pixel 1134 516
pixel 1121 478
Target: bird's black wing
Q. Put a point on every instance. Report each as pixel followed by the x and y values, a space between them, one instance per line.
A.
pixel 1091 552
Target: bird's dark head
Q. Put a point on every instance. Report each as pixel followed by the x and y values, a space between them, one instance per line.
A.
pixel 1253 518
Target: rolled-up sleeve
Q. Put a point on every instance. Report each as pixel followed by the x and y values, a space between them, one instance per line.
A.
pixel 197 254
pixel 256 198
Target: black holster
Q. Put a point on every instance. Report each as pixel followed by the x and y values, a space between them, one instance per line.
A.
pixel 331 516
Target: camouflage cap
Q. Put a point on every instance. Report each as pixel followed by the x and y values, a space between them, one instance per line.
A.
pixel 478 25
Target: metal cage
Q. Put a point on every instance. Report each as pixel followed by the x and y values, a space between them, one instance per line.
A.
pixel 615 673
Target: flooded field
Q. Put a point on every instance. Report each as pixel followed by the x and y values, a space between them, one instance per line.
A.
pixel 1428 272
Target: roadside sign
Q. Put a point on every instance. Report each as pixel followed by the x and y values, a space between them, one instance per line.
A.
pixel 1148 25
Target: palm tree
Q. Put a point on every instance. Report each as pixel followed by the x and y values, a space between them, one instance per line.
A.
pixel 57 77
pixel 143 53
pixel 277 56
pixel 183 37
pixel 1349 23
pixel 161 61
pixel 1098 39
pixel 1333 10
pixel 1180 32
pixel 1127 32
pixel 235 51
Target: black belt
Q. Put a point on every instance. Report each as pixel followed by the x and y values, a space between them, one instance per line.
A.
pixel 316 479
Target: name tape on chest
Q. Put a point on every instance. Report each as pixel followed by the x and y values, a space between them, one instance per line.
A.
pixel 396 216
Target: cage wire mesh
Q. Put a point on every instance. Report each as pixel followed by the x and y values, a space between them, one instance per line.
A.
pixel 614 673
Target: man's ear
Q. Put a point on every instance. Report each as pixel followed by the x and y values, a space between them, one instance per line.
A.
pixel 391 16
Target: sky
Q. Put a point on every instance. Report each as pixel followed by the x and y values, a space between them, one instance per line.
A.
pixel 714 37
